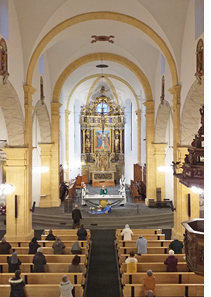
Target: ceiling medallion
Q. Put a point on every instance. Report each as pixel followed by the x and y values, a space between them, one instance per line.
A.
pixel 102 38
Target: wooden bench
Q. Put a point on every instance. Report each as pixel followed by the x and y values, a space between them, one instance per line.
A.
pixel 165 290
pixel 146 236
pixel 47 290
pixel 150 243
pixel 66 238
pixel 150 250
pixel 60 232
pixel 141 231
pixel 48 250
pixel 164 278
pixel 150 258
pixel 155 267
pixel 49 258
pixel 49 243
pixel 45 278
pixel 49 267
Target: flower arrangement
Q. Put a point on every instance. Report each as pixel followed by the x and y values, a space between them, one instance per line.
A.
pixel 86 192
pixel 92 208
pixel 99 208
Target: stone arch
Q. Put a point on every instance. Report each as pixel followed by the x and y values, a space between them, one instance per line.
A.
pixel 103 16
pixel 190 118
pixel 162 118
pixel 42 114
pixel 13 114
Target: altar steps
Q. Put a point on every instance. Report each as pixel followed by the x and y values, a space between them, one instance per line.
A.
pixel 103 221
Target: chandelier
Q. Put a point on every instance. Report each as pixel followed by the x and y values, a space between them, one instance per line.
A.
pixel 6 189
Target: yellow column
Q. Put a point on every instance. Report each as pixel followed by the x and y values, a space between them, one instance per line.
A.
pixel 20 228
pixel 67 112
pixel 150 178
pixel 55 201
pixel 138 113
pixel 181 205
pixel 46 159
pixel 159 157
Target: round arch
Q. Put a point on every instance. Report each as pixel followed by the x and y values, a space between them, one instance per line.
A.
pixel 102 16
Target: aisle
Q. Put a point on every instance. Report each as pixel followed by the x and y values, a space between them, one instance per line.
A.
pixel 102 278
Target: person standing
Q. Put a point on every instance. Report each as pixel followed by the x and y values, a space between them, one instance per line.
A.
pixel 58 246
pixel 103 190
pixel 4 246
pixel 65 287
pixel 33 246
pixel 13 263
pixel 141 244
pixel 82 233
pixel 76 216
pixel 39 261
pixel 127 233
pixel 176 245
pixel 17 285
pixel 171 262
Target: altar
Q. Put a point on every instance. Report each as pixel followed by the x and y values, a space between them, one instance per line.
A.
pixel 105 178
pixel 113 200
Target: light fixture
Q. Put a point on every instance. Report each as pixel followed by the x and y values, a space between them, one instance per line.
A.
pixel 197 190
pixel 6 189
pixel 40 169
pixel 65 166
pixel 165 169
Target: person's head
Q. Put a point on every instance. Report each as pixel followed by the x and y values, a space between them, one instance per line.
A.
pixel 149 293
pixel 175 237
pixel 15 254
pixel 76 260
pixel 103 187
pixel 132 254
pixel 64 278
pixel 149 272
pixel 140 236
pixel 127 226
pixel 58 238
pixel 50 231
pixel 39 250
pixel 17 273
pixel 82 225
pixel 171 252
pixel 34 239
pixel 76 206
pixel 3 239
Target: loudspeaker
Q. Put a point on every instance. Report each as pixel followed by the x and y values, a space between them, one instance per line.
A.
pixel 33 206
pixel 189 206
pixel 16 206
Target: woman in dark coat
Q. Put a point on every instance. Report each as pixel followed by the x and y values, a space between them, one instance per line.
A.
pixel 39 261
pixel 171 262
pixel 17 285
pixel 33 246
pixel 13 262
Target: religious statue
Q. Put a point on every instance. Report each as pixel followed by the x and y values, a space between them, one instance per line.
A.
pixel 116 142
pixel 87 145
pixel 103 190
pixel 122 181
pixel 97 161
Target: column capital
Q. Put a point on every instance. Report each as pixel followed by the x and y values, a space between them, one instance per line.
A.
pixel 29 89
pixel 149 106
pixel 175 89
pixel 160 148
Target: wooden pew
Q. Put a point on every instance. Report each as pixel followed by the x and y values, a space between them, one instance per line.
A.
pixel 150 258
pixel 49 267
pixel 150 243
pixel 146 236
pixel 150 250
pixel 165 290
pixel 49 243
pixel 45 278
pixel 60 232
pixel 66 238
pixel 141 231
pixel 155 267
pixel 47 290
pixel 48 250
pixel 49 258
pixel 164 278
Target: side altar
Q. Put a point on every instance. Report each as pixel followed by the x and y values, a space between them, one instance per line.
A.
pixel 102 141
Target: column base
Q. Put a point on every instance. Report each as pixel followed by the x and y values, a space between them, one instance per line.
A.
pixel 22 237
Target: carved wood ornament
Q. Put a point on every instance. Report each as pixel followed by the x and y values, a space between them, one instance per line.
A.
pixel 102 38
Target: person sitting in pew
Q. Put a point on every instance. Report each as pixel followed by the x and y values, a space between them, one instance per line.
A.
pixel 39 261
pixel 127 233
pixel 65 287
pixel 141 244
pixel 131 263
pixel 17 285
pixel 4 247
pixel 50 236
pixel 149 294
pixel 82 233
pixel 58 246
pixel 149 282
pixel 176 245
pixel 75 249
pixel 75 266
pixel 33 246
pixel 13 262
pixel 171 262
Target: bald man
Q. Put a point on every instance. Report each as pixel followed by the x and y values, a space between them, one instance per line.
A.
pixel 76 216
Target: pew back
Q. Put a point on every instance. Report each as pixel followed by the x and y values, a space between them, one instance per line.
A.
pixel 150 258
pixel 155 267
pixel 142 231
pixel 146 236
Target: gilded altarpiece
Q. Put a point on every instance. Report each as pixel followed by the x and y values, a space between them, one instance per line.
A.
pixel 102 141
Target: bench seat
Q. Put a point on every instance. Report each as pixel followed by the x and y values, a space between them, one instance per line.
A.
pixel 155 267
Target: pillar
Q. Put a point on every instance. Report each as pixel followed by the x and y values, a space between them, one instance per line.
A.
pixel 20 228
pixel 159 160
pixel 67 112
pixel 112 140
pixel 181 205
pixel 150 178
pixel 46 159
pixel 120 141
pixel 138 114
pixel 55 201
pixel 83 132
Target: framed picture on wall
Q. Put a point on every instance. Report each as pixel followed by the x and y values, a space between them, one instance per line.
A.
pixel 102 141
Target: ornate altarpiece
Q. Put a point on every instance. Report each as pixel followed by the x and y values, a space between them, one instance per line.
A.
pixel 102 141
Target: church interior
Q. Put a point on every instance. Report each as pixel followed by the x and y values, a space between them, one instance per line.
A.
pixel 103 95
